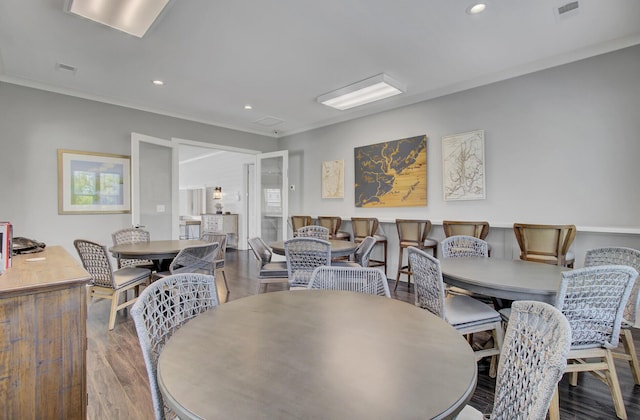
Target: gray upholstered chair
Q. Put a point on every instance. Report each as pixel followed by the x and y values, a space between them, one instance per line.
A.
pixel 106 283
pixel 465 314
pixel 193 259
pixel 629 257
pixel 314 231
pixel 303 256
pixel 478 230
pixel 593 300
pixel 270 272
pixel 132 236
pixel 221 239
pixel 412 232
pixel 368 226
pixel 162 308
pixel 546 243
pixel 367 280
pixel 360 257
pixel 299 221
pixel 333 223
pixel 532 361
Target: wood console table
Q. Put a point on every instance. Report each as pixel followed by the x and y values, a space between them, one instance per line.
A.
pixel 43 314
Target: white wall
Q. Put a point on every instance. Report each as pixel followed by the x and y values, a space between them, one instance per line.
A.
pixel 561 146
pixel 35 123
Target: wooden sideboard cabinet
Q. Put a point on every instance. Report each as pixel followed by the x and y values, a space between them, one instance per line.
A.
pixel 43 334
pixel 226 223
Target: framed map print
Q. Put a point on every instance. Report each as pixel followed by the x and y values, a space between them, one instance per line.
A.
pixel 463 166
pixel 333 179
pixel 391 174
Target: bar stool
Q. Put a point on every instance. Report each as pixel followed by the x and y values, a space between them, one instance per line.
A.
pixel 299 221
pixel 333 223
pixel 413 232
pixel 368 226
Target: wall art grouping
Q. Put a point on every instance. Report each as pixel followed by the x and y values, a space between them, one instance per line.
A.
pixel 391 174
pixel 463 166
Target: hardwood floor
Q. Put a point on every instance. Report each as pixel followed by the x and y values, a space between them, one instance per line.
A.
pixel 117 379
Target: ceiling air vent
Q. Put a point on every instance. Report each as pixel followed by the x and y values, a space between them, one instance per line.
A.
pixel 269 121
pixel 66 68
pixel 566 10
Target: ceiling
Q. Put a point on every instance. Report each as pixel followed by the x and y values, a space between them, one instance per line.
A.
pixel 279 55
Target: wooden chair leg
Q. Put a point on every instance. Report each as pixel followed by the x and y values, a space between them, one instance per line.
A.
pixel 630 349
pixel 399 268
pixel 554 408
pixel 614 386
pixel 114 308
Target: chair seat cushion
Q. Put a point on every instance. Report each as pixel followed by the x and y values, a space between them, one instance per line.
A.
pixel 462 310
pixel 128 275
pixel 430 243
pixel 380 238
pixel 342 236
pixel 274 270
pixel 346 264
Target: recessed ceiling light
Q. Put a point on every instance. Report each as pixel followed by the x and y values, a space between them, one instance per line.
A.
pixel 158 82
pixel 248 107
pixel 474 9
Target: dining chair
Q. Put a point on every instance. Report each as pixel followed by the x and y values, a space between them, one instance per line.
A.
pixel 368 226
pixel 465 314
pixel 314 231
pixel 366 280
pixel 270 272
pixel 299 221
pixel 333 223
pixel 412 232
pixel 162 308
pixel 360 258
pixel 107 283
pixel 132 236
pixel 221 239
pixel 532 361
pixel 629 257
pixel 546 243
pixel 479 229
pixel 593 300
pixel 303 256
pixel 193 259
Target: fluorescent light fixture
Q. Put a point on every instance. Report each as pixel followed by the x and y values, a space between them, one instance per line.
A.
pixel 134 17
pixel 363 92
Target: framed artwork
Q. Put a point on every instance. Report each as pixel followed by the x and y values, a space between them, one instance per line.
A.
pixel 93 183
pixel 463 166
pixel 391 174
pixel 333 179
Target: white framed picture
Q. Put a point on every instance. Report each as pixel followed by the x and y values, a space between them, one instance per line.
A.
pixel 463 166
pixel 333 179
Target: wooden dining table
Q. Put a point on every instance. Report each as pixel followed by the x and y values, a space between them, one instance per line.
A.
pixel 504 278
pixel 160 252
pixel 316 354
pixel 338 248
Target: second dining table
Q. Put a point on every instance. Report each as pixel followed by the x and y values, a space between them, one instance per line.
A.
pixel 339 248
pixel 160 252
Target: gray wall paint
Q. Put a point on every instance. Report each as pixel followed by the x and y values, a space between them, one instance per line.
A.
pixel 35 123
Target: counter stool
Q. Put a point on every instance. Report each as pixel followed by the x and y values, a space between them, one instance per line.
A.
pixel 333 223
pixel 368 226
pixel 413 232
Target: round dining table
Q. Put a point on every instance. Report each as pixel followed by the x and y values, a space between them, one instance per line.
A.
pixel 504 278
pixel 316 354
pixel 157 251
pixel 339 248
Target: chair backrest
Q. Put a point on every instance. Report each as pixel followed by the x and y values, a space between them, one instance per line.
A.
pixel 413 232
pixel 544 243
pixel 260 250
pixel 95 260
pixel 458 246
pixel 221 239
pixel 593 300
pixel 130 236
pixel 303 256
pixel 363 251
pixel 299 221
pixel 429 287
pixel 370 281
pixel 464 227
pixel 332 223
pixel 620 256
pixel 532 361
pixel 363 227
pixel 195 259
pixel 314 231
pixel 161 309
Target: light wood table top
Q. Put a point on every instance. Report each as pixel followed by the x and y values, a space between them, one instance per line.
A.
pixel 504 279
pixel 338 248
pixel 153 250
pixel 312 354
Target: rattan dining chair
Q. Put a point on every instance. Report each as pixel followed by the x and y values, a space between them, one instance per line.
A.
pixel 532 361
pixel 132 236
pixel 221 239
pixel 629 257
pixel 303 256
pixel 478 230
pixel 299 221
pixel 360 258
pixel 333 223
pixel 593 300
pixel 106 283
pixel 314 231
pixel 412 232
pixel 270 272
pixel 465 314
pixel 366 280
pixel 463 246
pixel 162 308
pixel 547 244
pixel 193 259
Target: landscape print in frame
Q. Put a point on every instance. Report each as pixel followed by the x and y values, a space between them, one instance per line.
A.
pixel 391 174
pixel 463 166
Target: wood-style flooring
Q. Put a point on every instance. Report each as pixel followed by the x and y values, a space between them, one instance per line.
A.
pixel 117 379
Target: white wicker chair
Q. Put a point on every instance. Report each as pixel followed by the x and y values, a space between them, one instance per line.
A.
pixel 629 257
pixel 132 236
pixel 270 272
pixel 314 231
pixel 303 256
pixel 193 259
pixel 221 239
pixel 106 283
pixel 162 308
pixel 465 314
pixel 593 300
pixel 361 254
pixel 459 246
pixel 532 361
pixel 366 280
